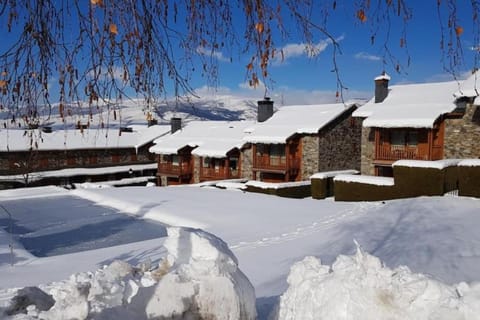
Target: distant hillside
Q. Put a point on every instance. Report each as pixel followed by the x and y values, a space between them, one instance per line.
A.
pixel 135 111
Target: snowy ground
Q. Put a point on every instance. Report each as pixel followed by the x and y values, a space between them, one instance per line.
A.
pixel 437 236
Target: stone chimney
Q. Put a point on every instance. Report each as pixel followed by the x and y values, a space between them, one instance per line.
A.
pixel 175 124
pixel 381 87
pixel 265 109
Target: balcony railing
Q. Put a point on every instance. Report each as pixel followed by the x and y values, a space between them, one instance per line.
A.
pixel 398 153
pixel 275 163
pixel 219 173
pixel 177 169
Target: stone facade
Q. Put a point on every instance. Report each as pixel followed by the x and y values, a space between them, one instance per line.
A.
pixel 340 144
pixel 368 151
pixel 310 158
pixel 196 169
pixel 462 135
pixel 247 163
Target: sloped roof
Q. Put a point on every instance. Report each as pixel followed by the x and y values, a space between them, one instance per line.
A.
pixel 470 87
pixel 209 138
pixel 74 139
pixel 410 105
pixel 298 119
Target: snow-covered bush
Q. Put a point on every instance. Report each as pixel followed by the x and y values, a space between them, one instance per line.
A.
pixel 361 287
pixel 199 279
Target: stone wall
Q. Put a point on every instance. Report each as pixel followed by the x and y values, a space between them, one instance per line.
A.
pixel 462 135
pixel 310 157
pixel 339 144
pixel 368 151
pixel 247 163
pixel 196 169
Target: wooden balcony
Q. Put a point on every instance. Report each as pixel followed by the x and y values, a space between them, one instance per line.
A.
pixel 274 163
pixel 393 153
pixel 174 169
pixel 219 173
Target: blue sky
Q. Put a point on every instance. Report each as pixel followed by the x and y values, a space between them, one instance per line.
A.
pixel 303 79
pixel 359 62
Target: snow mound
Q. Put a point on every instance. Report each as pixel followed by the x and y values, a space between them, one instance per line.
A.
pixel 199 279
pixel 361 287
pixel 204 282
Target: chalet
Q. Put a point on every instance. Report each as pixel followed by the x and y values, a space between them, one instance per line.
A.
pixel 24 151
pixel 200 151
pixel 298 141
pixel 427 121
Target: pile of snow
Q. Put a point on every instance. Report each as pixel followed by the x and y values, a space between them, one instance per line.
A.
pixel 361 287
pixel 199 279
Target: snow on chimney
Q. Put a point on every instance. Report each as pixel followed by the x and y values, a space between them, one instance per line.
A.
pixel 381 87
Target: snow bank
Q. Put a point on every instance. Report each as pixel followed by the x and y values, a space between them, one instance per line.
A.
pixel 199 279
pixel 469 163
pixel 331 174
pixel 272 185
pixel 379 181
pixel 435 164
pixel 361 287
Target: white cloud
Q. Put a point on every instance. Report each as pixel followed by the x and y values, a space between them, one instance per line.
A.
pixel 213 53
pixel 366 56
pixel 294 50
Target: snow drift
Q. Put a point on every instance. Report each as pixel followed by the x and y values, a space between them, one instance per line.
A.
pixel 361 287
pixel 199 279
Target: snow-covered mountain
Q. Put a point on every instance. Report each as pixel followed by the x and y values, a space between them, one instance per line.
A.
pixel 135 111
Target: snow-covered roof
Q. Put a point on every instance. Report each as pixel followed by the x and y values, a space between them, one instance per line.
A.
pixel 469 87
pixel 289 120
pixel 75 139
pixel 410 105
pixel 209 138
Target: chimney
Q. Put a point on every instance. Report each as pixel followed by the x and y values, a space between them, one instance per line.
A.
pixel 265 109
pixel 175 124
pixel 381 87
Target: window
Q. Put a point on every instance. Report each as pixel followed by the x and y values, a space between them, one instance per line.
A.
pixel 397 138
pixel 404 138
pixel 206 162
pixel 277 150
pixel 175 160
pixel 412 138
pixel 233 161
